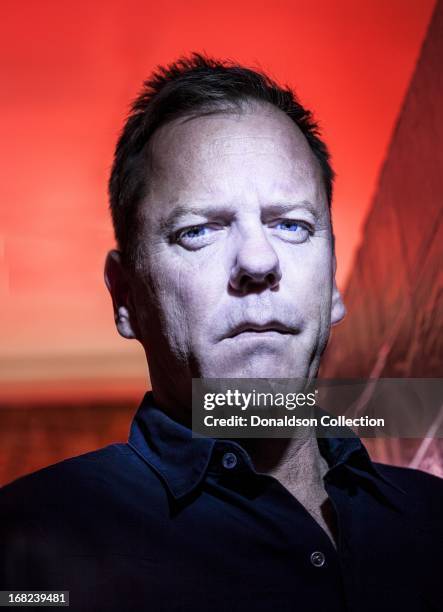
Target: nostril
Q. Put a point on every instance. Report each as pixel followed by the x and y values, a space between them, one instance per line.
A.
pixel 247 281
pixel 244 281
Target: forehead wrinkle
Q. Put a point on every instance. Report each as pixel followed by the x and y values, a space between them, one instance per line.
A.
pixel 242 145
pixel 187 145
pixel 222 136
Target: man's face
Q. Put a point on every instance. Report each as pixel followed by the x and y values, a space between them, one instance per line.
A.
pixel 236 276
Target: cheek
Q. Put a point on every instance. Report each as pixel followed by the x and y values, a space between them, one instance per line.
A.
pixel 309 275
pixel 198 280
pixel 185 301
pixel 164 294
pixel 318 294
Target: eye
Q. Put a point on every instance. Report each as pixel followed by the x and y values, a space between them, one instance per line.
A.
pixel 194 232
pixel 196 236
pixel 291 226
pixel 294 231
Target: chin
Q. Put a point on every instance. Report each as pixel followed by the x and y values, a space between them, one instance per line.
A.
pixel 273 369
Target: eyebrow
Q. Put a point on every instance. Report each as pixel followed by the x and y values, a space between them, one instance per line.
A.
pixel 284 208
pixel 182 211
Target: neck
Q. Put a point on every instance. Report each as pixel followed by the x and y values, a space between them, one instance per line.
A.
pixel 299 466
pixel 295 462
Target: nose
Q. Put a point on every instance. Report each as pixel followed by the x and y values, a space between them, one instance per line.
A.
pixel 256 266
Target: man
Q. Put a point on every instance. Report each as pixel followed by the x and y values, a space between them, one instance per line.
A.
pixel 220 197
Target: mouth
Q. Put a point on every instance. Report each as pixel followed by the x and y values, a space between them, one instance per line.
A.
pixel 250 330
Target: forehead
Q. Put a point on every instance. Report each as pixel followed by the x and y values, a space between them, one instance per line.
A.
pixel 258 153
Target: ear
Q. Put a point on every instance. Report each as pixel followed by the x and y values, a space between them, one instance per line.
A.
pixel 338 309
pixel 117 281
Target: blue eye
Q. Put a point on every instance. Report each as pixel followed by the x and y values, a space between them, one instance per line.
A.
pixel 293 231
pixel 290 226
pixel 196 237
pixel 195 232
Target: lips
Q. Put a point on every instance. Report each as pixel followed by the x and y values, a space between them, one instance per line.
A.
pixel 248 327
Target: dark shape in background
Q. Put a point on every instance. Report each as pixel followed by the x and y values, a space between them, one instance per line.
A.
pixel 394 294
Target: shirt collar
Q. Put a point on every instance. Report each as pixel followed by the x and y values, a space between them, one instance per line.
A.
pixel 169 448
pixel 182 460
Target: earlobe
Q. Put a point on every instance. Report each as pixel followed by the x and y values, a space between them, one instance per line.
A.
pixel 338 309
pixel 123 323
pixel 117 282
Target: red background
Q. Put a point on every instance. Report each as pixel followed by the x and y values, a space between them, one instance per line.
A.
pixel 69 71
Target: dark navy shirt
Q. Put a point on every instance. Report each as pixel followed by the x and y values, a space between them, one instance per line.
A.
pixel 168 522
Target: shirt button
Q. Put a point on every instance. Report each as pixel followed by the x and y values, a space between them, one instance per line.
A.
pixel 318 559
pixel 229 461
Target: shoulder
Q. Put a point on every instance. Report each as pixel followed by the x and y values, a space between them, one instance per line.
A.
pixel 411 479
pixel 111 470
pixel 419 491
pixel 103 500
pixel 79 508
pixel 106 458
